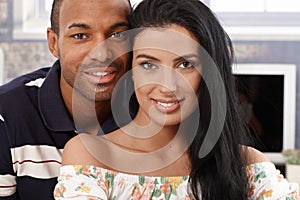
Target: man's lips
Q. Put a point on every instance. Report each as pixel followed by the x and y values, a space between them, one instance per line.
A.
pixel 101 75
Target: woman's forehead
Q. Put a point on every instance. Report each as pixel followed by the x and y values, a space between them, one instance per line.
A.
pixel 174 39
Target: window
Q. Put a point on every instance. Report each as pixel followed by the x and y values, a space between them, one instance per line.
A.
pixel 255 5
pixel 267 98
pixel 242 19
pixel 259 19
pixel 1 66
pixel 31 18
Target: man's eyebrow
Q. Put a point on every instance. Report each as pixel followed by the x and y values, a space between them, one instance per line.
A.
pixel 85 26
pixel 119 24
pixel 79 25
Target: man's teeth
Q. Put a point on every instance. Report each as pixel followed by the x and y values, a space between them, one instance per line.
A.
pixel 166 104
pixel 101 74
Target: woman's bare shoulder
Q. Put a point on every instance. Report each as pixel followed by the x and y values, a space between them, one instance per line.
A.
pixel 254 156
pixel 76 153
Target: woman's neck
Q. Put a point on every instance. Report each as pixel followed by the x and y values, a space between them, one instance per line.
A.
pixel 144 138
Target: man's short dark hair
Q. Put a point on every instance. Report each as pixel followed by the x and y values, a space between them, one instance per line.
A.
pixel 54 17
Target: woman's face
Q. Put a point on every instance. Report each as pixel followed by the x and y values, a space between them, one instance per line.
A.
pixel 166 74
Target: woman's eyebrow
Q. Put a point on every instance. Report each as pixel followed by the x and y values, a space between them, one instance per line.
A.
pixel 185 57
pixel 147 56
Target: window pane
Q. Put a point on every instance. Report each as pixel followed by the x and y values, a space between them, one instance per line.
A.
pixel 237 5
pixel 283 6
pixel 48 6
pixel 255 5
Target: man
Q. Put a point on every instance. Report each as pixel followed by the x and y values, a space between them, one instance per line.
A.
pixel 41 111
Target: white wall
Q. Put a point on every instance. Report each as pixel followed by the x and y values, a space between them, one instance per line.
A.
pixel 1 66
pixel 135 2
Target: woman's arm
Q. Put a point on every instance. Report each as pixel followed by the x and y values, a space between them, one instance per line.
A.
pixel 265 181
pixel 255 156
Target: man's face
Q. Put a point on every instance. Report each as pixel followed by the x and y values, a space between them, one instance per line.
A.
pixel 90 46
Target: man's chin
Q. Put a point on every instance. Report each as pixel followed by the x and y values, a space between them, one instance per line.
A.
pixel 102 96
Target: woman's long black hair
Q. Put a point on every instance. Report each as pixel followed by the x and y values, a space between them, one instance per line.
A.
pixel 220 174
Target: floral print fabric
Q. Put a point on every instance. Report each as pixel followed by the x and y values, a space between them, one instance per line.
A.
pixel 78 182
pixel 266 183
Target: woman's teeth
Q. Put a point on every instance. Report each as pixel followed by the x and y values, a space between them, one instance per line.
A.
pixel 166 104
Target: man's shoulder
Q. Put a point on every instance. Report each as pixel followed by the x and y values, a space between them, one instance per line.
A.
pixel 18 84
pixel 21 92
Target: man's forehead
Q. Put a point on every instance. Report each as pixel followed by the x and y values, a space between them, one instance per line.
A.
pixel 104 3
pixel 97 9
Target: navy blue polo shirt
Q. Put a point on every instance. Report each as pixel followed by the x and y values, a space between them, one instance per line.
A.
pixel 34 127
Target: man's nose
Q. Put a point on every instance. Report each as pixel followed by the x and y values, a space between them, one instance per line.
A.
pixel 102 52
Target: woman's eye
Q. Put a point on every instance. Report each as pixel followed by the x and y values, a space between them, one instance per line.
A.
pixel 186 64
pixel 148 66
pixel 80 36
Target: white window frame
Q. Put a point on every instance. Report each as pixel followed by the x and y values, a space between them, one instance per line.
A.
pixel 292 6
pixel 263 21
pixel 289 72
pixel 269 24
pixel 29 22
pixel 1 66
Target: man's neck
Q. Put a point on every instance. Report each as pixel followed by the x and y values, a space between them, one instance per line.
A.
pixel 87 115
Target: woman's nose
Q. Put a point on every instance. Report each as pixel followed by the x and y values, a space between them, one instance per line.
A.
pixel 168 80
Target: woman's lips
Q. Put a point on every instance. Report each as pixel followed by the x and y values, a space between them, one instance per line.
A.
pixel 167 106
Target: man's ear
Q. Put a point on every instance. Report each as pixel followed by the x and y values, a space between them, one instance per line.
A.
pixel 52 42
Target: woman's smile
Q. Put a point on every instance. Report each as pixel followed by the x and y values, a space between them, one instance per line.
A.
pixel 167 106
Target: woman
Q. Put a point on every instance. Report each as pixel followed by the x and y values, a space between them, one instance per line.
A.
pixel 187 139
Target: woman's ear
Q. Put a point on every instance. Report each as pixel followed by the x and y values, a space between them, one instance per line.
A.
pixel 52 38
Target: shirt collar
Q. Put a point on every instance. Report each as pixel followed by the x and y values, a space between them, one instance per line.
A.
pixel 51 105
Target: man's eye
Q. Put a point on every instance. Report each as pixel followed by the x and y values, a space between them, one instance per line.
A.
pixel 185 65
pixel 79 36
pixel 119 36
pixel 148 66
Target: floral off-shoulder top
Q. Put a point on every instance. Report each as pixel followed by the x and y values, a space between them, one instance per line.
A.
pixel 78 182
